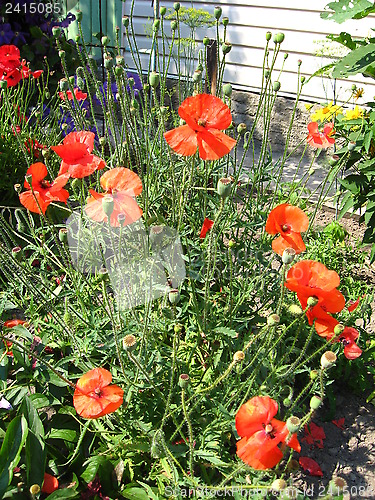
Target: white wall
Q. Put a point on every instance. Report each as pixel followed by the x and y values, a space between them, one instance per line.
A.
pixel 249 20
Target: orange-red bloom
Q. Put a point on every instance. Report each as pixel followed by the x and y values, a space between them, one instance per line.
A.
pixel 261 433
pixel 10 323
pixel 207 225
pixel 94 396
pixel 79 95
pixel 205 116
pixel 50 483
pixel 348 338
pixel 321 140
pixel 43 192
pixel 312 279
pixel 122 184
pixel 289 222
pixel 76 154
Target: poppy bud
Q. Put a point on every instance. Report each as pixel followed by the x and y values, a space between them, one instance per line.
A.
pixel 241 129
pixel 131 82
pixel 337 486
pixel 227 89
pixel 125 21
pixel 158 444
pixel 299 62
pixel 108 204
pixel 303 78
pixel 287 402
pixel 217 12
pixel 63 235
pixel 3 84
pixel 197 76
pixel 279 38
pixel 174 296
pixel 288 255
pixel 103 274
pixel 121 219
pixel 64 86
pixel 118 70
pixel 206 41
pixel 268 36
pixel 231 243
pixel 68 320
pixel 312 301
pixel 316 402
pixel 156 25
pixel 62 54
pixel 278 485
pixel 183 380
pixel 17 253
pixel 328 359
pixel 314 374
pixel 176 6
pixel 79 15
pixel 225 21
pixel 286 56
pixel 173 25
pixel 273 320
pixel 108 63
pixel 266 74
pixel 226 48
pixel 276 86
pixel 105 41
pixel 351 145
pixel 224 187
pixel 293 424
pixel 56 31
pixel 163 10
pixel 334 160
pixel 154 79
pixel 120 61
pixel 129 342
pixel 238 356
pixel 80 83
pixel 77 39
pixel 338 329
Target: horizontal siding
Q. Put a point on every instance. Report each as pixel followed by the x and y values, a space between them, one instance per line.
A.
pixel 248 22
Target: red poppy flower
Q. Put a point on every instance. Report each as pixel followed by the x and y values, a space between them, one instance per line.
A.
pixel 75 152
pixel 348 338
pixel 79 95
pixel 321 140
pixel 37 74
pixel 94 396
pixel 207 225
pixel 314 435
pixel 324 324
pixel 43 193
pixel 310 466
pixel 50 483
pixel 352 307
pixel 261 433
pixel 205 116
pixel 34 147
pixel 289 222
pixel 123 185
pixel 312 279
pixel 10 323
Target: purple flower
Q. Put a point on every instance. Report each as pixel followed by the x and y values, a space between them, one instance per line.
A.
pixel 19 36
pixel 6 34
pixel 137 87
pixel 5 405
pixel 67 21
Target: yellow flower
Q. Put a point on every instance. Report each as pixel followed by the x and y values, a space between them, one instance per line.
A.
pixel 353 114
pixel 358 93
pixel 326 113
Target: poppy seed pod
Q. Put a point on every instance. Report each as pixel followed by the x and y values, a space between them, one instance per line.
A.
pixel 17 188
pixel 273 320
pixel 238 356
pixel 293 424
pixel 279 485
pixel 217 12
pixel 129 342
pixel 268 36
pixel 62 54
pixel 276 86
pixel 72 80
pixel 337 486
pixel 154 79
pixel 125 21
pixel 63 235
pixel 108 205
pixel 328 359
pixel 312 301
pixel 173 25
pixel 288 255
pixel 105 41
pixel 34 490
pixel 17 254
pixel 338 329
pixel 163 10
pixel 279 38
pixel 176 6
pixel 156 25
pixel 334 160
pixel 118 70
pixel 79 15
pixel 56 31
pixel 63 83
pixel 206 41
pixel 174 296
pixel 183 380
pixel 108 63
pixel 226 48
pixel 197 76
pixel 224 187
pixel 316 402
pixel 227 89
pixel 120 61
pixel 351 145
pixel 225 21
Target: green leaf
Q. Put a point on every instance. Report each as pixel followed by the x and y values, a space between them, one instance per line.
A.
pixel 355 62
pixel 135 493
pixel 342 10
pixel 65 493
pixel 345 39
pixel 10 451
pixel 65 434
pixel 35 446
pixel 3 367
pixel 149 490
pixel 210 457
pixel 227 331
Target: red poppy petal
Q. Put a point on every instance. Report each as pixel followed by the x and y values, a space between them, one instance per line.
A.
pixel 93 379
pixel 286 214
pixel 34 202
pixel 126 205
pixel 71 152
pixel 85 166
pixel 83 137
pixel 121 179
pixel 249 450
pixel 339 423
pixel 59 183
pixel 183 140
pixel 208 108
pixel 38 172
pixel 252 415
pixel 309 465
pixel 352 351
pixel 325 325
pixel 207 225
pixel 50 483
pixel 292 240
pixel 10 323
pixel 110 399
pixel 94 208
pixel 214 144
pixel 355 304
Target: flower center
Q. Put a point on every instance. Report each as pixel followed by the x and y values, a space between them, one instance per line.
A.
pixel 44 183
pixel 344 341
pixel 202 122
pixel 268 428
pixel 286 228
pixel 98 392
